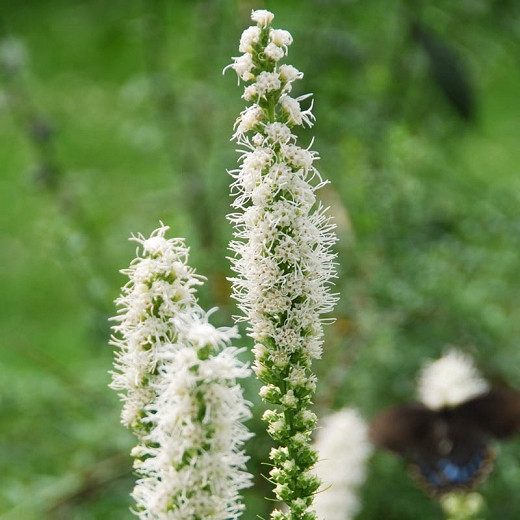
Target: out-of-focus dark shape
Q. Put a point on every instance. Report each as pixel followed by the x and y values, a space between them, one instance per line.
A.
pixel 448 449
pixel 448 71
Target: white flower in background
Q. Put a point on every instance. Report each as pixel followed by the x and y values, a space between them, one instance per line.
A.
pixel 282 255
pixel 13 54
pixel 177 376
pixel 343 449
pixel 450 381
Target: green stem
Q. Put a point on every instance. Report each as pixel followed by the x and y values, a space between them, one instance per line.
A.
pixel 270 109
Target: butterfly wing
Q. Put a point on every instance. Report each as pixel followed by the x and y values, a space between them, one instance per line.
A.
pixel 401 429
pixel 497 412
pixel 446 450
pixel 454 455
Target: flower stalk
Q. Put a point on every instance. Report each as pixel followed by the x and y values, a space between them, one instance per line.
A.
pixel 282 256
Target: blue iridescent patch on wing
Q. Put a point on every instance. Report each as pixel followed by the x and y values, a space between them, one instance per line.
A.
pixel 444 474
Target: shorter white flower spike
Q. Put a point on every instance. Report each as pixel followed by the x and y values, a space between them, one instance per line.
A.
pixel 177 375
pixel 450 381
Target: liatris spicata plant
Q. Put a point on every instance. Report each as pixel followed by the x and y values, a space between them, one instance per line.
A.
pixel 176 375
pixel 343 436
pixel 282 256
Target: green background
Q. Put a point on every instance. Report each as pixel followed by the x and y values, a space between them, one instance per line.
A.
pixel 119 117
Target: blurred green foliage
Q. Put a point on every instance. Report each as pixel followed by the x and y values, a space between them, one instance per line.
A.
pixel 115 115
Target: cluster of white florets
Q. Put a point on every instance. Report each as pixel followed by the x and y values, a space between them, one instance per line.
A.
pixel 282 251
pixel 450 381
pixel 177 376
pixel 161 285
pixel 343 436
pixel 190 464
pixel 263 47
pixel 282 254
pixel 273 42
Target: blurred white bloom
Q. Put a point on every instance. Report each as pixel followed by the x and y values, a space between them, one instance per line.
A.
pixel 267 81
pixel 343 449
pixel 250 93
pixel 243 66
pixel 290 73
pixel 249 118
pixel 450 381
pixel 13 54
pixel 296 115
pixel 177 376
pixel 278 132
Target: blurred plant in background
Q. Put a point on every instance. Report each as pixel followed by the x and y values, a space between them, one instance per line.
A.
pixel 462 506
pixel 428 249
pixel 72 236
pixel 343 449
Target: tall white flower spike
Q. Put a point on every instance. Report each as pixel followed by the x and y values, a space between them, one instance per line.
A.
pixel 282 255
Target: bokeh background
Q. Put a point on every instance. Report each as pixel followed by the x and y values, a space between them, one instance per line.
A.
pixel 115 115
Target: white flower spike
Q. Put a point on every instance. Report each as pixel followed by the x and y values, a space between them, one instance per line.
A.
pixel 282 256
pixel 177 376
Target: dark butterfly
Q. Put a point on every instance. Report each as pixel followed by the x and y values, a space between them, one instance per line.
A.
pixel 449 448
